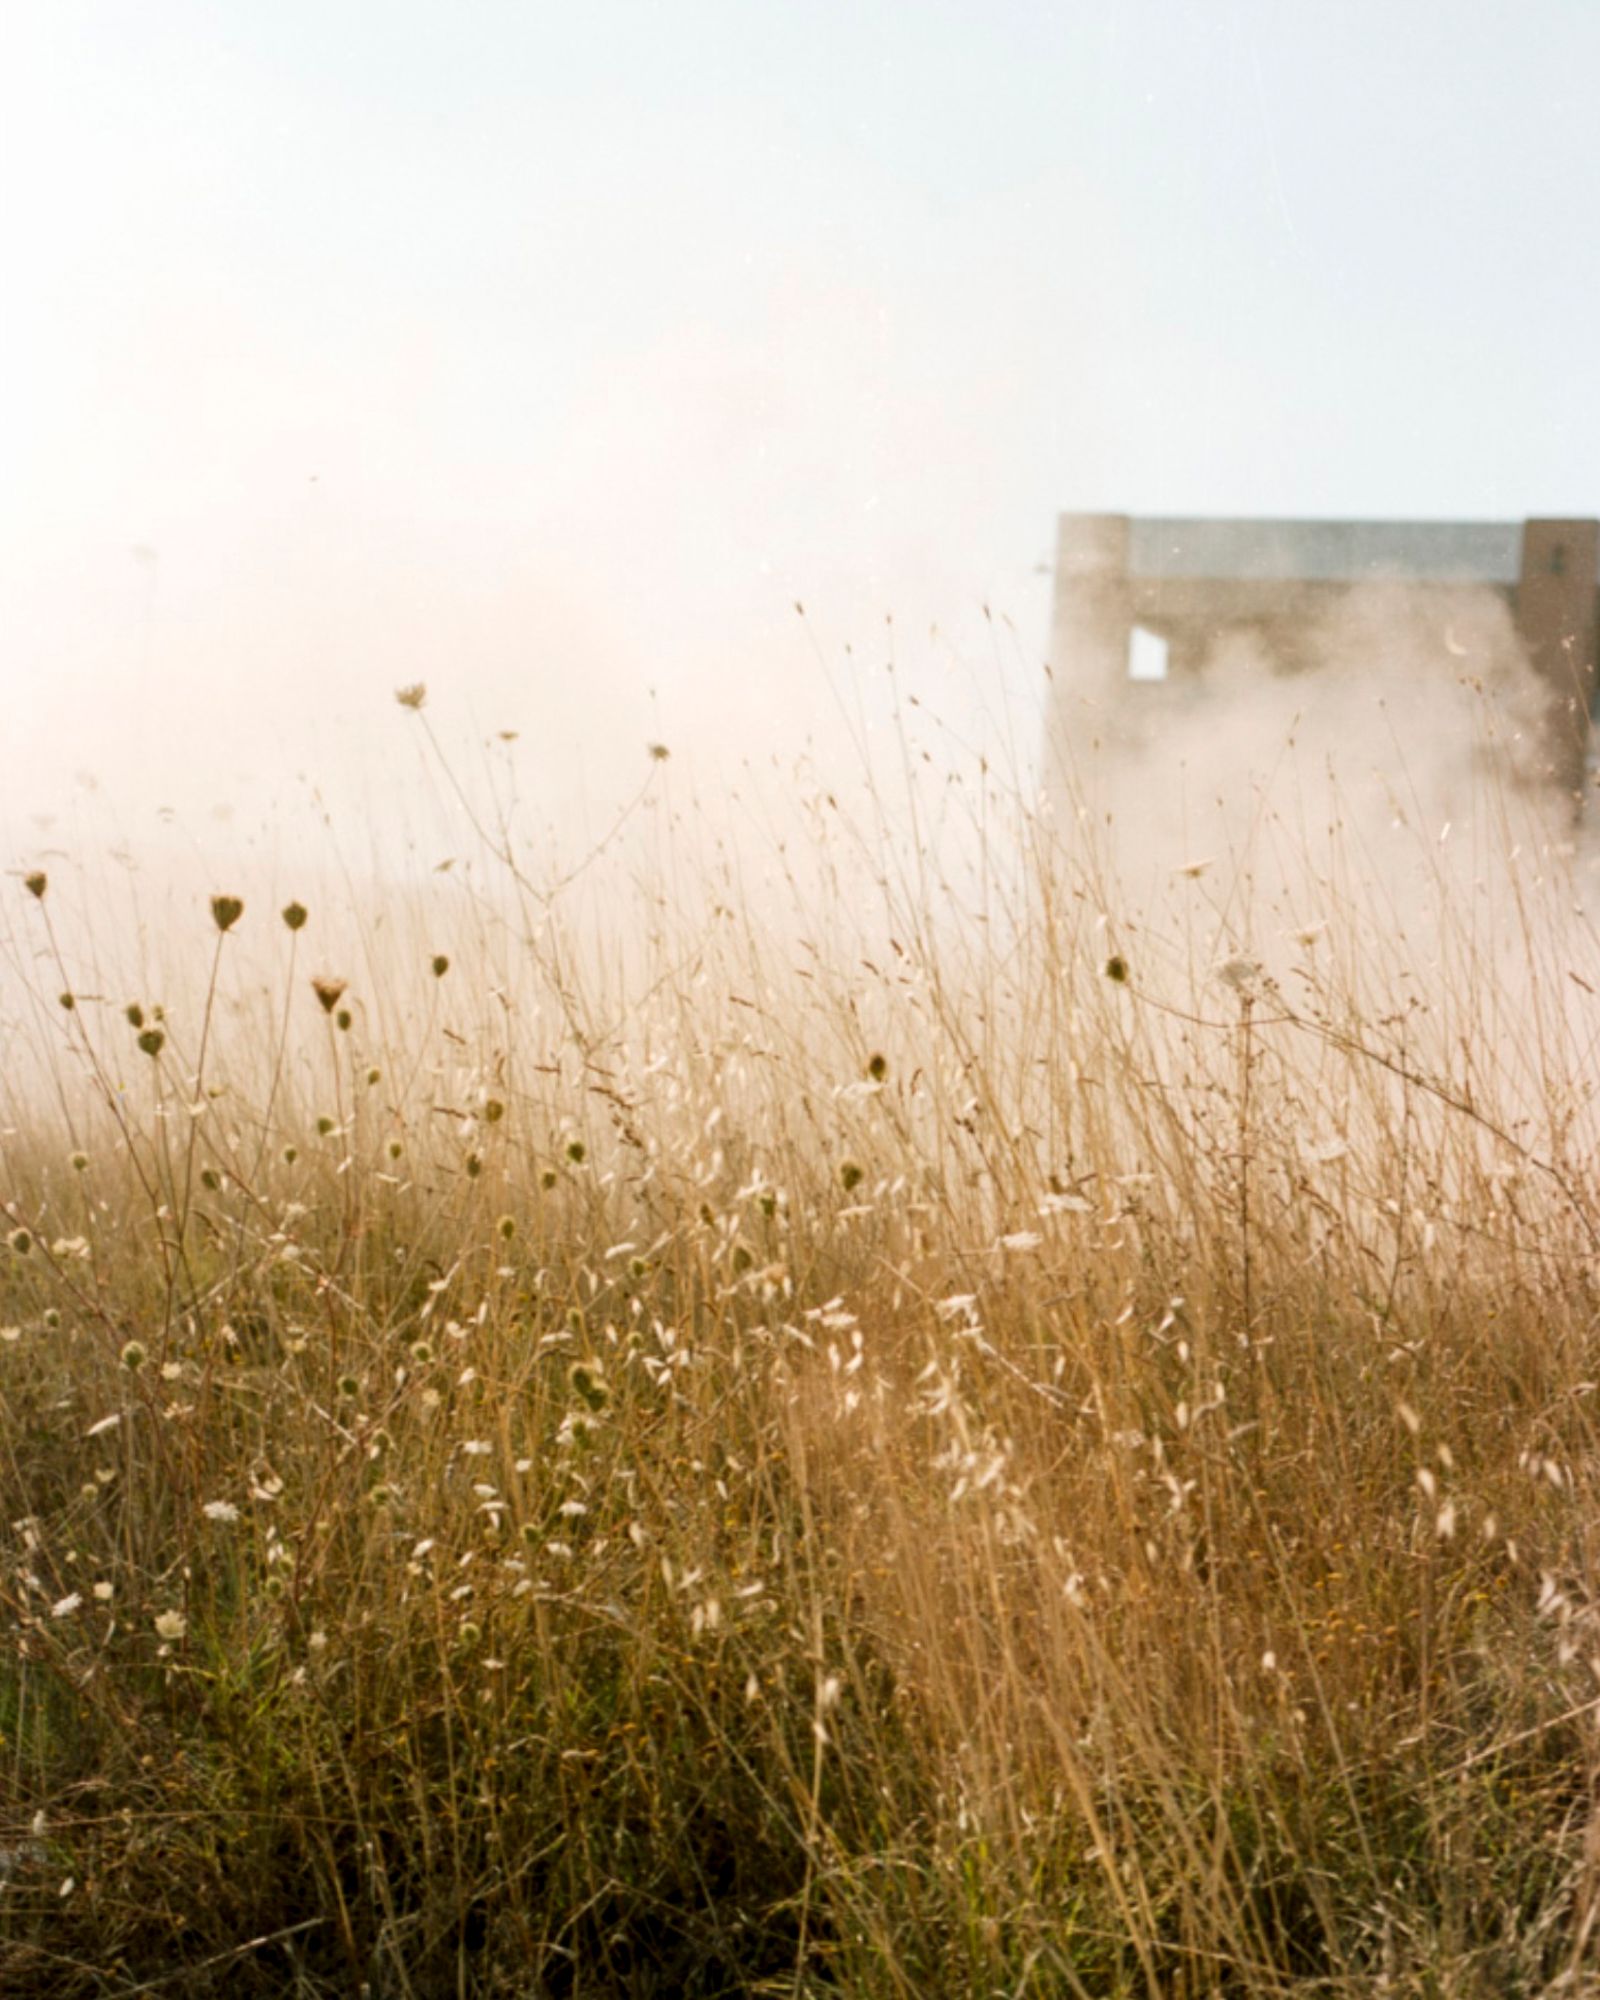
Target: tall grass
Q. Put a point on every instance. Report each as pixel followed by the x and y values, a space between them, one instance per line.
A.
pixel 878 1423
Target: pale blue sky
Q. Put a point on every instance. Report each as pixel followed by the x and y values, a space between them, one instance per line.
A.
pixel 548 352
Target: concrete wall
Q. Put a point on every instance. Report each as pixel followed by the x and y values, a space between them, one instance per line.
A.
pixel 1278 584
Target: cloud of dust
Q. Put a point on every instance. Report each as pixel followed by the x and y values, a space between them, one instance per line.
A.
pixel 1378 841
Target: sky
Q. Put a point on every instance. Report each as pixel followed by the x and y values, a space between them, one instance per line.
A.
pixel 550 354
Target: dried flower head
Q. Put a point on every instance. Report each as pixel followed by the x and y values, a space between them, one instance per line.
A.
pixel 21 1241
pixel 134 1355
pixel 67 1000
pixel 294 915
pixel 226 911
pixel 659 753
pixel 328 991
pixel 413 696
pixel 850 1175
pixel 1116 969
pixel 589 1384
pixel 1239 972
pixel 36 883
pixel 441 965
pixel 152 1041
pixel 878 1067
pixel 171 1625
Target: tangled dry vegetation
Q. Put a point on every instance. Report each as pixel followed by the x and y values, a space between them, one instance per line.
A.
pixel 947 1445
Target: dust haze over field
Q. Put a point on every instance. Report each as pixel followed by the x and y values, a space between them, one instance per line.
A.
pixel 551 363
pixel 709 1282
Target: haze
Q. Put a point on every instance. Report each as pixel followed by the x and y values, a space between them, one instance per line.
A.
pixel 549 355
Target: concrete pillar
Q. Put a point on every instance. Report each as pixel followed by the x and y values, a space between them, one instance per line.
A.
pixel 1092 625
pixel 1556 616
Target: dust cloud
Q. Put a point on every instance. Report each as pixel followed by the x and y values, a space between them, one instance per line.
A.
pixel 1379 845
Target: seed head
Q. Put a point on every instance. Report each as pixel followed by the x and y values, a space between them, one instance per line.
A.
pixel 493 1111
pixel 80 1163
pixel 441 965
pixel 152 1041
pixel 413 696
pixel 36 884
pixel 507 1226
pixel 329 992
pixel 342 1020
pixel 294 915
pixel 134 1355
pixel 226 911
pixel 659 753
pixel 67 1001
pixel 21 1241
pixel 1240 973
pixel 171 1625
pixel 577 1152
pixel 1116 969
pixel 850 1175
pixel 589 1384
pixel 878 1068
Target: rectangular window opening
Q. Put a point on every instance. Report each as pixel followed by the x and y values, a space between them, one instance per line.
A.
pixel 1147 655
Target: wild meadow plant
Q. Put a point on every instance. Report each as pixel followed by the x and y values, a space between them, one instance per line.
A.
pixel 918 1430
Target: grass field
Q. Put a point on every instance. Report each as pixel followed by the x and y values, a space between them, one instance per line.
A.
pixel 879 1423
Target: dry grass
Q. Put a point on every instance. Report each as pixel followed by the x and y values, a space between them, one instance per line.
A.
pixel 924 1444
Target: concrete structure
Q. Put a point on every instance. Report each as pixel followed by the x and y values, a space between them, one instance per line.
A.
pixel 1143 606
